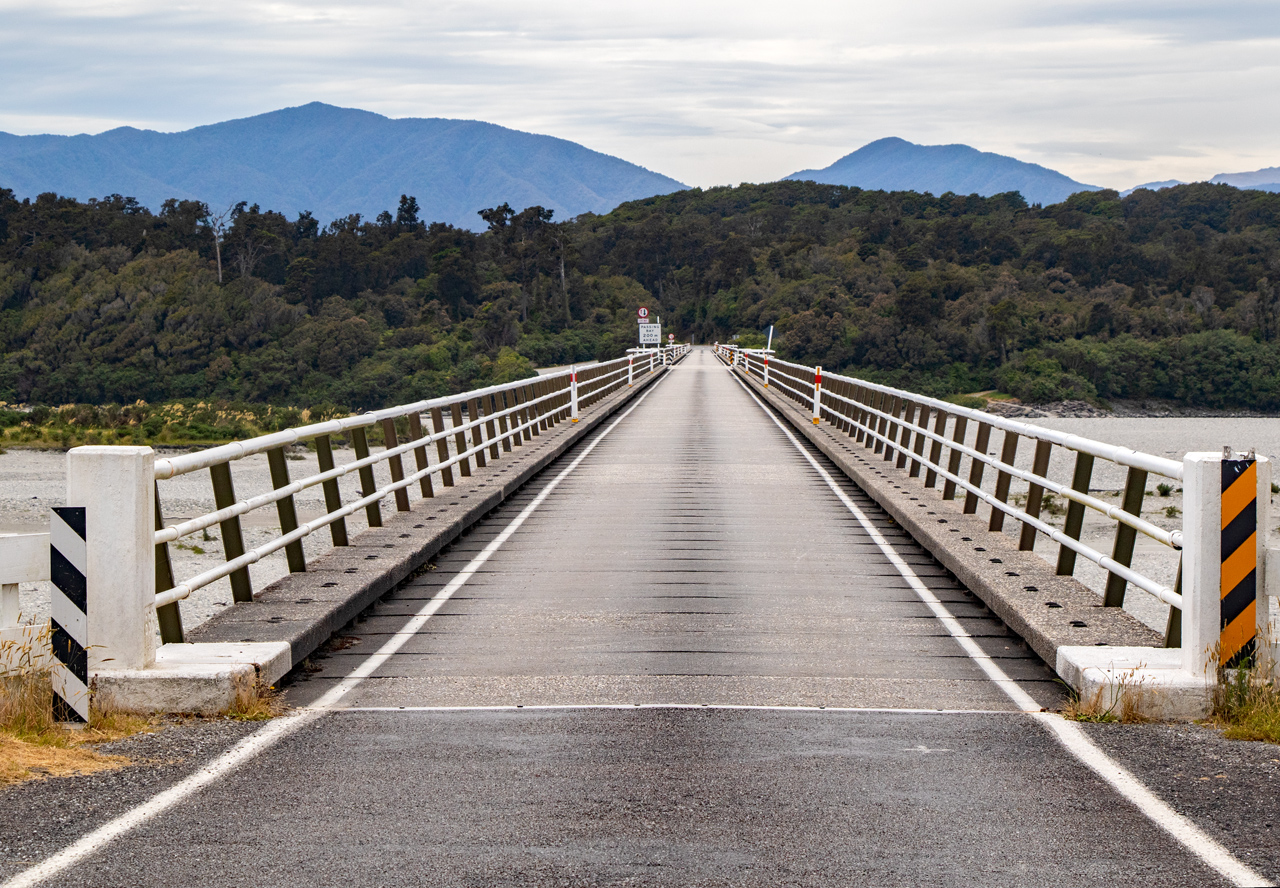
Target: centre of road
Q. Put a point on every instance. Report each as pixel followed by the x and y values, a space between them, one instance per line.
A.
pixel 1069 734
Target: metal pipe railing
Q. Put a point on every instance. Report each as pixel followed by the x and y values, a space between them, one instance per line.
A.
pixel 497 418
pixel 896 423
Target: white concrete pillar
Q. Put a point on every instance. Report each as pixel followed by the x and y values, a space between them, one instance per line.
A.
pixel 1202 569
pixel 817 395
pixel 115 485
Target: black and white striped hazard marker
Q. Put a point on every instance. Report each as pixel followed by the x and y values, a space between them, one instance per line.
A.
pixel 69 614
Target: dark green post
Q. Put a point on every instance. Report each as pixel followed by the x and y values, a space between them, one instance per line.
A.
pixel 1080 479
pixel 332 494
pixel 368 486
pixel 1135 487
pixel 285 510
pixel 224 495
pixel 169 617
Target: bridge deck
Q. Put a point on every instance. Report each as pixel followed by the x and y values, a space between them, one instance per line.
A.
pixel 693 557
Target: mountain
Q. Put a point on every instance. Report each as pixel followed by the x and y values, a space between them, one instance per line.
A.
pixel 898 165
pixel 1153 186
pixel 333 162
pixel 1259 180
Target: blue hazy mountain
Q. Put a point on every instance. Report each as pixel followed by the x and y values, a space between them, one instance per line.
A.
pixel 333 162
pixel 898 165
pixel 1267 179
pixel 1153 186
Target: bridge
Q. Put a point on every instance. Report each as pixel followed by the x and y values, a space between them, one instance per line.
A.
pixel 698 616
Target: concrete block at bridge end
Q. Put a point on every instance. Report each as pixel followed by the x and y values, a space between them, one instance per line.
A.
pixel 207 679
pixel 1148 682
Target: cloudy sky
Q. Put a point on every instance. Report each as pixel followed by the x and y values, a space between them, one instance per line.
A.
pixel 1111 93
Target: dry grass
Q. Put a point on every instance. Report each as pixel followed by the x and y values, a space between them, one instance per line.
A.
pixel 265 703
pixel 1126 704
pixel 32 745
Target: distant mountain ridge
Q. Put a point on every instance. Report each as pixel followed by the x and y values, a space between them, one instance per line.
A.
pixel 1267 179
pixel 333 162
pixel 895 164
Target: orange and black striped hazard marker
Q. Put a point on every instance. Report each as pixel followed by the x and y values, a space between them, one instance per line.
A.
pixel 1239 561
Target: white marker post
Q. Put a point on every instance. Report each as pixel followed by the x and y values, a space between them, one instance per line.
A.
pixel 573 393
pixel 817 395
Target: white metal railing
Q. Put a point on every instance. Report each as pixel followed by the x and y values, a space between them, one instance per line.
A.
pixel 897 423
pixel 467 430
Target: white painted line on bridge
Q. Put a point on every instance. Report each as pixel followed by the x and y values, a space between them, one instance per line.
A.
pixel 571 707
pixel 1069 734
pixel 286 725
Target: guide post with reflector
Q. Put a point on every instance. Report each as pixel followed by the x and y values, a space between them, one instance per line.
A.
pixel 817 395
pixel 1226 505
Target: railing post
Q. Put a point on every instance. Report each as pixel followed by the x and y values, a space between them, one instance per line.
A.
pixel 1035 495
pixel 954 458
pixel 477 431
pixel 1226 503
pixel 817 394
pixel 332 494
pixel 224 495
pixel 442 445
pixel 419 458
pixel 169 617
pixel 116 488
pixel 391 439
pixel 935 451
pixel 373 511
pixel 1080 478
pixel 1135 489
pixel 977 467
pixel 766 371
pixel 460 439
pixel 631 380
pixel 904 438
pixel 573 390
pixel 285 510
pixel 1008 453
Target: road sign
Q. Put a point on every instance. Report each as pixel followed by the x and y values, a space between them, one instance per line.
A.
pixel 643 315
pixel 671 337
pixel 651 334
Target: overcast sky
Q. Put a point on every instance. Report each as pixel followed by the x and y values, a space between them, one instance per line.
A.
pixel 1110 93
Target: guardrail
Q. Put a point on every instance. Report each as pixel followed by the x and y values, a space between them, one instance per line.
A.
pixel 466 431
pixel 916 433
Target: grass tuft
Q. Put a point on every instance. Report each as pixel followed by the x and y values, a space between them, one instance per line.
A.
pixel 32 745
pixel 1246 705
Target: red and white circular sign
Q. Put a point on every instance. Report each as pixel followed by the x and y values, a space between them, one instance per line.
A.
pixel 671 337
pixel 642 313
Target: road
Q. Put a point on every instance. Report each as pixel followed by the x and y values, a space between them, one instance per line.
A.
pixel 681 656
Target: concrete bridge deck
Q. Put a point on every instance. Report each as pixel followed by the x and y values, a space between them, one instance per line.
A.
pixel 677 657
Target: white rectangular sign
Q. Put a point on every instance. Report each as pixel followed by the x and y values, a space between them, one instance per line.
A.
pixel 651 334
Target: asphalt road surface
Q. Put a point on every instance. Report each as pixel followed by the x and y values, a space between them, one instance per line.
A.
pixel 678 657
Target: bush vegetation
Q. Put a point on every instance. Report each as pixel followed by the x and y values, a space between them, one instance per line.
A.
pixel 1169 294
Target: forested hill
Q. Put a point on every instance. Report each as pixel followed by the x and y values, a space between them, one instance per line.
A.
pixel 1167 294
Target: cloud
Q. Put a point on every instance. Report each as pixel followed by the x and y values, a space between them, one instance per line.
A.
pixel 708 92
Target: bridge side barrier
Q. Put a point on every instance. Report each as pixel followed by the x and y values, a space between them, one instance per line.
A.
pixel 497 419
pixel 1222 584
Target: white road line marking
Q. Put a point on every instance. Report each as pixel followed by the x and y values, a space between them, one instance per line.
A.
pixel 1069 734
pixel 282 727
pixel 573 707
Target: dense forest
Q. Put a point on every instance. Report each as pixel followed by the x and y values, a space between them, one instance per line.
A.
pixel 1169 294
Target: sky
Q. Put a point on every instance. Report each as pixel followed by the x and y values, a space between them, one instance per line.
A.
pixel 1111 93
